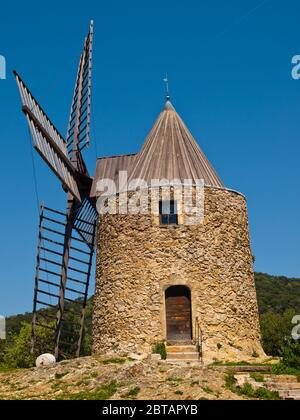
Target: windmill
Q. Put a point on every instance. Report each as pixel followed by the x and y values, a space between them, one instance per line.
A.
pixel 66 239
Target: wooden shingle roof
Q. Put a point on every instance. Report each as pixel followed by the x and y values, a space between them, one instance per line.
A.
pixel 169 152
pixel 109 168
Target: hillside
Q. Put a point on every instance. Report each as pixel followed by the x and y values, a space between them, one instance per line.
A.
pixel 274 294
pixel 277 294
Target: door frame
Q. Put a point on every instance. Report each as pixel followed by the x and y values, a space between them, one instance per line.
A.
pixel 188 295
pixel 163 314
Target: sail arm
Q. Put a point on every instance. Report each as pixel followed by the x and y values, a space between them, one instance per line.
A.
pixel 78 135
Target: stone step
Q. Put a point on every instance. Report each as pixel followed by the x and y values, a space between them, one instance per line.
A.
pixel 242 368
pixel 181 349
pixel 178 362
pixel 280 386
pixel 188 356
pixel 180 343
pixel 281 378
pixel 291 395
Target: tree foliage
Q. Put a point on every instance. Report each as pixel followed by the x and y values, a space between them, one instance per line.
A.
pixel 276 328
pixel 277 294
pixel 17 353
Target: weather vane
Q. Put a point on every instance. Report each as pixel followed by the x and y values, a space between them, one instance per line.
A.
pixel 166 80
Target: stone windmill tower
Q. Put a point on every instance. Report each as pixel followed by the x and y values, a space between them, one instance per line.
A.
pixel 161 279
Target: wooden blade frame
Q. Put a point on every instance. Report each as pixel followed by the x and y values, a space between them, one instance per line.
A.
pixel 78 135
pixel 65 160
pixel 47 141
pixel 52 290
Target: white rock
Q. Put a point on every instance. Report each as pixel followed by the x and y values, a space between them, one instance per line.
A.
pixel 155 357
pixel 45 360
pixel 135 356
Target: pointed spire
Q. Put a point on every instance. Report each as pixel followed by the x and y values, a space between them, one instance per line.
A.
pixel 166 80
pixel 168 105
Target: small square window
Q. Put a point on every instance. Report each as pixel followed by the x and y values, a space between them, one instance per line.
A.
pixel 168 213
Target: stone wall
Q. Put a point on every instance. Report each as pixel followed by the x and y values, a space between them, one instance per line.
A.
pixel 137 260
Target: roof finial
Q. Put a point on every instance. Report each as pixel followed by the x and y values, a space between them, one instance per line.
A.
pixel 166 80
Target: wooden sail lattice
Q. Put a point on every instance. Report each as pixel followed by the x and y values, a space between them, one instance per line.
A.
pixel 47 141
pixel 78 135
pixel 66 239
pixel 48 280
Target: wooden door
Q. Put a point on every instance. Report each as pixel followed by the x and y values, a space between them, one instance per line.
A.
pixel 178 314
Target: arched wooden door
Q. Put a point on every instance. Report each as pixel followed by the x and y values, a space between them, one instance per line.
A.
pixel 178 314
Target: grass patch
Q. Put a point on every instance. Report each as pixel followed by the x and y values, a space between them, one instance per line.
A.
pixel 281 369
pixel 83 382
pixel 259 393
pixel 257 377
pixel 6 369
pixel 160 348
pixel 207 390
pixel 60 375
pixel 173 379
pixel 248 391
pixel 232 364
pixel 114 361
pixel 194 383
pixel 103 393
pixel 56 386
pixel 133 393
pixel 230 381
pixel 178 392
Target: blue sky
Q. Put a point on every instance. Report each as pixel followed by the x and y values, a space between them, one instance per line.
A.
pixel 230 79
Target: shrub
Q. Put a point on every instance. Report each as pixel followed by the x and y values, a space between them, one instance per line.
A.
pixel 230 381
pixel 160 348
pixel 17 353
pixel 258 377
pixel 281 369
pixel 104 393
pixel 248 390
pixel 178 392
pixel 115 361
pixel 133 392
pixel 274 328
pixel 260 393
pixel 291 354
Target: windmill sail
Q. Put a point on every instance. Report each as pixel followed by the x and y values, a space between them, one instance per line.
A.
pixel 47 140
pixel 66 239
pixel 78 135
pixel 85 220
pixel 48 281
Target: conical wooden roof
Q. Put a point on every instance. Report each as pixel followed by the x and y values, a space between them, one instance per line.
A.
pixel 170 152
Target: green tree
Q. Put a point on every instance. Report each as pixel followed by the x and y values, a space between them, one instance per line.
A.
pixel 275 330
pixel 291 354
pixel 17 353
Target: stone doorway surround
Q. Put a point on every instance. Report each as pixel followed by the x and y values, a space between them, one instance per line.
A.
pixel 178 314
pixel 164 286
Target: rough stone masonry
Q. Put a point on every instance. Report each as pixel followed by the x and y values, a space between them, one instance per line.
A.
pixel 138 260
